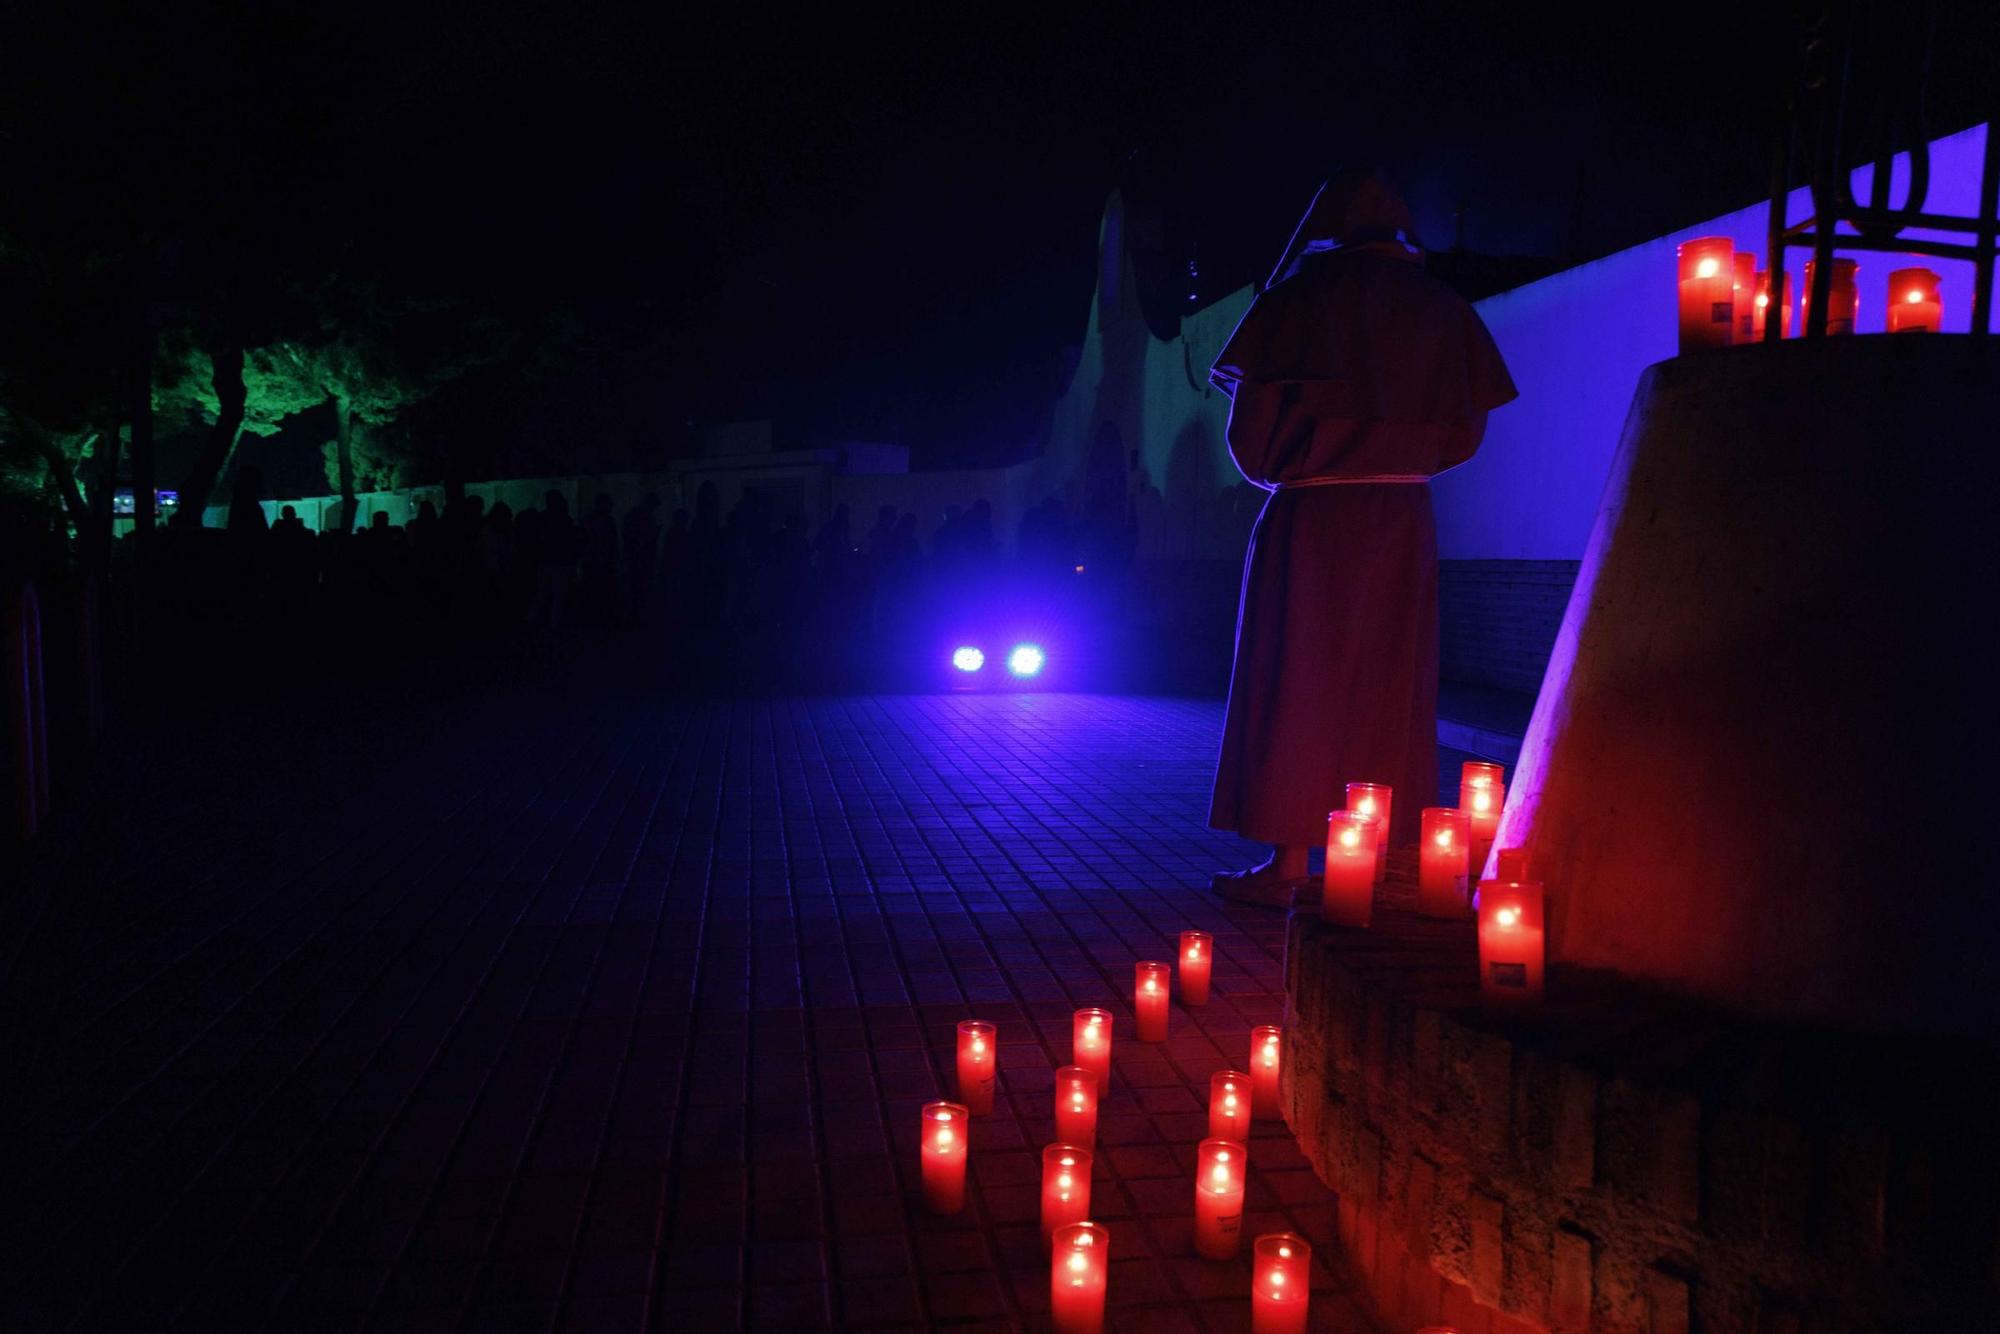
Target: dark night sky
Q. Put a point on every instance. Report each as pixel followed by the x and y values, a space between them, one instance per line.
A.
pixel 878 222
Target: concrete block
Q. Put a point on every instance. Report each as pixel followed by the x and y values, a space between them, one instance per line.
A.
pixel 1669 1303
pixel 1487 1216
pixel 1574 1137
pixel 1570 1284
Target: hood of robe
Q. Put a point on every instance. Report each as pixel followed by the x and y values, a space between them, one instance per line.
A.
pixel 1353 208
pixel 1381 338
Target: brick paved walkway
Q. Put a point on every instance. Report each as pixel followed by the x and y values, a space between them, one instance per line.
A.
pixel 514 1014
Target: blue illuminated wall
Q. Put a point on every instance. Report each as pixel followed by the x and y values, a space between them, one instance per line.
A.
pixel 1577 341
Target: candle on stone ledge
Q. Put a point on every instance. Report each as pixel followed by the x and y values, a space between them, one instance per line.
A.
pixel 1076 1106
pixel 944 1157
pixel 1218 1198
pixel 1090 1042
pixel 1264 1055
pixel 1842 300
pixel 1230 1104
pixel 1079 1271
pixel 1347 894
pixel 1151 983
pixel 1482 791
pixel 1763 306
pixel 1443 858
pixel 978 1059
pixel 1377 800
pixel 1914 303
pixel 1511 941
pixel 1707 292
pixel 1065 1189
pixel 1280 1284
pixel 1741 294
pixel 1197 958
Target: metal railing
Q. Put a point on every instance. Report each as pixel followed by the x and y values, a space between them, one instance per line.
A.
pixel 1856 95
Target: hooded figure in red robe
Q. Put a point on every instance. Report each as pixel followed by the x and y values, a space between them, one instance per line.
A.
pixel 1355 377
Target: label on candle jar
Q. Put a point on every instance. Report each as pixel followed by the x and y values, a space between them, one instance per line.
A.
pixel 1229 1225
pixel 1508 974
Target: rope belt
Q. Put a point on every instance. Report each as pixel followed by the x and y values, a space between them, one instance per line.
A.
pixel 1378 479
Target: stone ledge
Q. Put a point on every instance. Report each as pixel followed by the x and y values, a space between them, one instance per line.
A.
pixel 1621 1160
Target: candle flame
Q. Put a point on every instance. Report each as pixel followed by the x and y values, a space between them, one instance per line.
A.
pixel 1229 1101
pixel 944 1116
pixel 1221 1175
pixel 1349 838
pixel 1914 296
pixel 1366 805
pixel 1705 269
pixel 1152 985
pixel 945 1138
pixel 1077 1099
pixel 1077 1262
pixel 1194 951
pixel 978 1045
pixel 1284 1252
pixel 1277 1278
pixel 1482 800
pixel 1444 838
pixel 1763 300
pixel 1507 916
pixel 1065 1181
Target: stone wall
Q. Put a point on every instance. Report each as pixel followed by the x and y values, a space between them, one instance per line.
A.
pixel 1622 1162
pixel 1500 618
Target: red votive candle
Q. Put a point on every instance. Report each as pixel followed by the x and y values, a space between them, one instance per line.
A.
pixel 1076 1106
pixel 1090 1044
pixel 978 1059
pixel 1377 800
pixel 1708 299
pixel 1264 1043
pixel 1197 958
pixel 1763 306
pixel 1741 293
pixel 1914 303
pixel 1065 1189
pixel 1280 1284
pixel 1511 941
pixel 945 1127
pixel 1348 883
pixel 1842 300
pixel 1151 983
pixel 1218 1198
pixel 1079 1270
pixel 1443 856
pixel 1230 1102
pixel 1482 791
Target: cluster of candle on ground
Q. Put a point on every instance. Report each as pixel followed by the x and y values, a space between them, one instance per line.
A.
pixel 1197 959
pixel 1065 1188
pixel 1230 1101
pixel 1280 1284
pixel 1264 1043
pixel 978 1060
pixel 1090 1043
pixel 944 1146
pixel 1511 940
pixel 1076 1106
pixel 1443 856
pixel 1079 1271
pixel 1150 986
pixel 1347 886
pixel 1218 1198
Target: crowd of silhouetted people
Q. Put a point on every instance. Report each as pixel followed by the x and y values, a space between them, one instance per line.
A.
pixel 478 567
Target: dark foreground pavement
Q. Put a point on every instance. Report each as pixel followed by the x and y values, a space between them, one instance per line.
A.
pixel 529 1008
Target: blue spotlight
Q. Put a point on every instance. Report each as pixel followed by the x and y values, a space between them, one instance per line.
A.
pixel 1026 660
pixel 967 658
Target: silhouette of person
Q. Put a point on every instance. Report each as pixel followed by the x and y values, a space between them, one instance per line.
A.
pixel 597 540
pixel 1354 377
pixel 642 555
